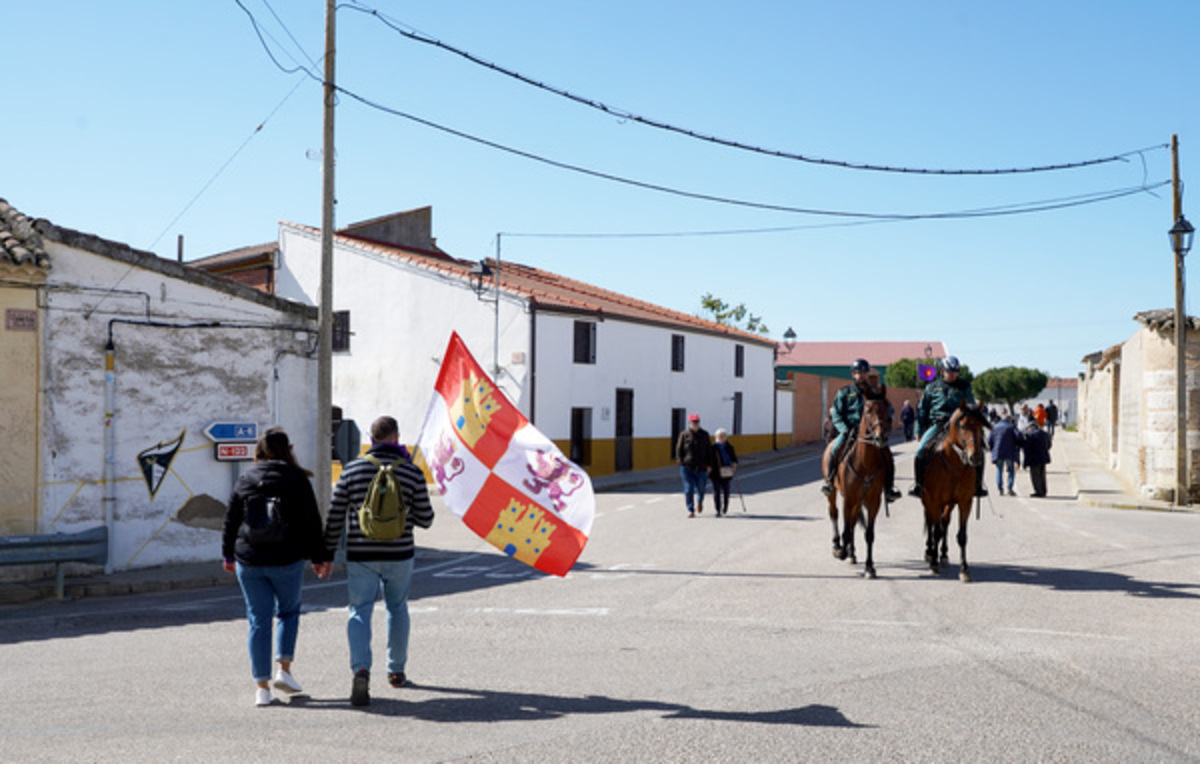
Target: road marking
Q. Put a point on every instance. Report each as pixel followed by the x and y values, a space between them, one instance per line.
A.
pixel 1086 534
pixel 622 509
pixel 1117 545
pixel 1072 634
pixel 588 611
pixel 621 570
pixel 851 622
pixel 655 500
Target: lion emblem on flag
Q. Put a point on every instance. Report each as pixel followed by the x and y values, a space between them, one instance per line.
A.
pixel 444 464
pixel 552 474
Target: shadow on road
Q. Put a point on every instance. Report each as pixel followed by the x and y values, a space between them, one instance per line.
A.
pixel 1074 580
pixel 464 705
pixel 437 573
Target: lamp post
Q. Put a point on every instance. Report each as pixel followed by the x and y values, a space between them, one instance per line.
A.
pixel 1181 241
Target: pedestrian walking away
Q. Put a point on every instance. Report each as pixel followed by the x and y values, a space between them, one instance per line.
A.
pixel 272 525
pixel 1035 445
pixel 724 468
pixel 1002 442
pixel 693 450
pixel 908 418
pixel 1051 419
pixel 377 563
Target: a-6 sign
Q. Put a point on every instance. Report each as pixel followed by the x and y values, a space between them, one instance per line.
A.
pixel 234 452
pixel 224 432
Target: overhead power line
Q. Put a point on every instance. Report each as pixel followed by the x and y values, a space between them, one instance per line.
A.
pixel 1010 209
pixel 625 114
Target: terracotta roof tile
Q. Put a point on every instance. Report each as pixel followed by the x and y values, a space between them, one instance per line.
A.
pixel 20 243
pixel 878 354
pixel 554 291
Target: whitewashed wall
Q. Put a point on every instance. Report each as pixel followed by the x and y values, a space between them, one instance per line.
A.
pixel 167 381
pixel 401 317
pixel 638 356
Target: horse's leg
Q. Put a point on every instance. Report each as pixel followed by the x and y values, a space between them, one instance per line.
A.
pixel 944 557
pixel 838 551
pixel 869 535
pixel 931 526
pixel 964 515
pixel 850 510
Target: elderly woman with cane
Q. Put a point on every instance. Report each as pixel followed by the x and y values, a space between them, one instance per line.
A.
pixel 724 467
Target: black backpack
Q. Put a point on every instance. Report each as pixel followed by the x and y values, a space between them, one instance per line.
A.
pixel 263 522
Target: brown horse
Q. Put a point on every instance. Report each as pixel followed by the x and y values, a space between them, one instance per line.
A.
pixel 950 482
pixel 860 479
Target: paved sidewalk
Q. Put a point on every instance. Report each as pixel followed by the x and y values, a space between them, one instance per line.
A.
pixel 1095 484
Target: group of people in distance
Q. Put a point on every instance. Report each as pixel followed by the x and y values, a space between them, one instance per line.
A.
pixel 701 459
pixel 269 558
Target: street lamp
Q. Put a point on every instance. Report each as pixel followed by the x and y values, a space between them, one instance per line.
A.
pixel 1181 236
pixel 478 273
pixel 929 351
pixel 1181 241
pixel 789 341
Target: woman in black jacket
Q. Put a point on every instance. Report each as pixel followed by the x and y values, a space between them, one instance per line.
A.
pixel 724 465
pixel 272 526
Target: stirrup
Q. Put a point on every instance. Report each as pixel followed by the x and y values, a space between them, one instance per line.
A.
pixel 915 490
pixel 827 489
pixel 892 494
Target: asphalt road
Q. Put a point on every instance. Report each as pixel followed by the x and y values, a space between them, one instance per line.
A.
pixel 674 639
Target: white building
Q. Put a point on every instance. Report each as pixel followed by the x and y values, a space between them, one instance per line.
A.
pixel 114 362
pixel 609 378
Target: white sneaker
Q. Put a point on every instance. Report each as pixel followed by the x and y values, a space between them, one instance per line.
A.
pixel 263 697
pixel 285 682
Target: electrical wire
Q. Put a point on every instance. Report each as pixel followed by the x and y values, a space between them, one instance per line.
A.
pixel 1011 209
pixel 625 114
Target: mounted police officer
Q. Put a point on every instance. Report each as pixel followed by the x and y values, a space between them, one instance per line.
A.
pixel 942 397
pixel 847 414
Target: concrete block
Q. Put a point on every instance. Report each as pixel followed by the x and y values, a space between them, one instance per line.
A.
pixel 1157 439
pixel 1160 421
pixel 1162 380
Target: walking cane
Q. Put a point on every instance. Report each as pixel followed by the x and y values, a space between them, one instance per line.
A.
pixel 741 498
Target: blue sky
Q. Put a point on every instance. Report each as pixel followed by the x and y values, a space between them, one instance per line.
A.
pixel 117 114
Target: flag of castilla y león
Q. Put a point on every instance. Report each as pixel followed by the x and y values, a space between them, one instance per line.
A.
pixel 506 480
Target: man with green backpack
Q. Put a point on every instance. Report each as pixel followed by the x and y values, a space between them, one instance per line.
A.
pixel 376 502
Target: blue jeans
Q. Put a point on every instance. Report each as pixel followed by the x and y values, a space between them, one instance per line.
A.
pixel 1001 465
pixel 270 591
pixel 364 580
pixel 694 483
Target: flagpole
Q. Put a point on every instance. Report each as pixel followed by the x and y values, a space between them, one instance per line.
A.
pixel 496 318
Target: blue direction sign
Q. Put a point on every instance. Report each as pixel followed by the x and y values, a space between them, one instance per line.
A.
pixel 225 432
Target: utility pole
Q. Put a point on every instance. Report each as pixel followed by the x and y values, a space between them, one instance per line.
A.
pixel 1181 453
pixel 325 310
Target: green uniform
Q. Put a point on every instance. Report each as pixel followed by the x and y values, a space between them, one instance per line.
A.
pixel 937 405
pixel 847 412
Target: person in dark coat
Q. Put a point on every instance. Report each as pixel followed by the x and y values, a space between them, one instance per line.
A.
pixel 1035 445
pixel 724 467
pixel 272 525
pixel 908 418
pixel 693 449
pixel 1002 442
pixel 1051 419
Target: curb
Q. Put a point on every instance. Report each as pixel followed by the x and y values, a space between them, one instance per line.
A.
pixel 647 477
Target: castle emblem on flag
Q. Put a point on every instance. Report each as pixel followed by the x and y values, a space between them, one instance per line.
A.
pixel 474 408
pixel 521 531
pixel 554 475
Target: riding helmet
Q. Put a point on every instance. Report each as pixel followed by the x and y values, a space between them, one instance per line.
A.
pixel 860 365
pixel 950 363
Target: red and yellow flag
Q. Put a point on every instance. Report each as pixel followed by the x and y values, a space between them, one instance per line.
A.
pixel 505 479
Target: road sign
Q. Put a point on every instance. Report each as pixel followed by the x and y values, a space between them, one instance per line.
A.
pixel 234 452
pixel 222 432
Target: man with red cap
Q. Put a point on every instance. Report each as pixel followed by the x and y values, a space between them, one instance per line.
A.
pixel 693 449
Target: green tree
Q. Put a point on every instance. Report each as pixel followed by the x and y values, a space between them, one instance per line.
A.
pixel 903 373
pixel 1010 384
pixel 737 316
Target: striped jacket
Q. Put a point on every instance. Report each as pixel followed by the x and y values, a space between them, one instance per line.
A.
pixel 348 496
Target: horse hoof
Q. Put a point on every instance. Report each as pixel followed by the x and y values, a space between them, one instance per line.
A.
pixel 935 570
pixel 839 553
pixel 965 576
pixel 929 558
pixel 945 560
pixel 870 572
pixel 853 560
